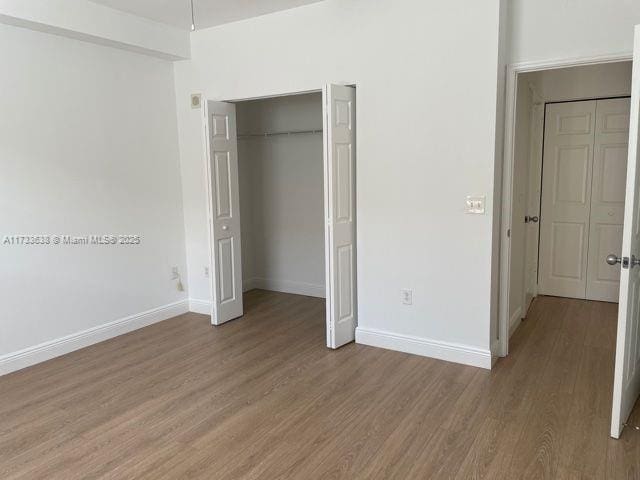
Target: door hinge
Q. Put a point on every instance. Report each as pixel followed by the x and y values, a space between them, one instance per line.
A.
pixel 508 233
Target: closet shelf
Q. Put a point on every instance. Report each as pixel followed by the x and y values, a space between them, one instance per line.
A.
pixel 273 134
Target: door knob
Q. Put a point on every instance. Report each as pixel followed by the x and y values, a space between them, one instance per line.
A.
pixel 613 259
pixel 225 227
pixel 533 219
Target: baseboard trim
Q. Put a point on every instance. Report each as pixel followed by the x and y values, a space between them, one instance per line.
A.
pixel 248 284
pixel 296 288
pixel 18 360
pixel 451 352
pixel 515 321
pixel 285 286
pixel 200 306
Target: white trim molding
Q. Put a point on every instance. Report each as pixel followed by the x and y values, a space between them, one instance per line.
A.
pixel 200 306
pixel 297 288
pixel 54 348
pixel 451 352
pixel 515 321
pixel 285 286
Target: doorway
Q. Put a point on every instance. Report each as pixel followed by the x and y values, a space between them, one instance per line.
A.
pixel 281 184
pixel 560 139
pixel 568 127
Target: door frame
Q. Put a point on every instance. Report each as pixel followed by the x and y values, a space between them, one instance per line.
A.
pixel 209 193
pixel 500 345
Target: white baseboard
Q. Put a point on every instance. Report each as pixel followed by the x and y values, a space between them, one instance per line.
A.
pixel 248 284
pixel 515 320
pixel 200 306
pixel 297 288
pixel 54 348
pixel 451 352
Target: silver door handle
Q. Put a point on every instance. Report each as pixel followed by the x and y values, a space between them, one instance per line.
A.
pixel 225 227
pixel 625 261
pixel 613 259
pixel 533 219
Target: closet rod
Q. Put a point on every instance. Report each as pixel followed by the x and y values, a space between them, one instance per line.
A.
pixel 271 134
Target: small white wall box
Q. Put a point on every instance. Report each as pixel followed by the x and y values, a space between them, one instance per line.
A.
pixel 195 100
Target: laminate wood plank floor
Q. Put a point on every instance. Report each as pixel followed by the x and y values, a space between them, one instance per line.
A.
pixel 262 398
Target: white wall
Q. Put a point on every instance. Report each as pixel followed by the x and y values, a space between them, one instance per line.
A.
pixel 281 195
pixel 553 29
pixel 577 83
pixel 421 148
pixel 88 145
pixel 91 22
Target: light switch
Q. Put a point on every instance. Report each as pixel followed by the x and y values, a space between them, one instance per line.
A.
pixel 475 204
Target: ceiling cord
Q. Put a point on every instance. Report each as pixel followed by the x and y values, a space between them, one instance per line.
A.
pixel 193 18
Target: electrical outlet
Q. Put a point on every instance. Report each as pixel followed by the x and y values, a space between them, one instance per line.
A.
pixel 206 272
pixel 175 273
pixel 406 297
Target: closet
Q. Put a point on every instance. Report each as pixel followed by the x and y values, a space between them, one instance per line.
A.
pixel 583 195
pixel 281 202
pixel 280 160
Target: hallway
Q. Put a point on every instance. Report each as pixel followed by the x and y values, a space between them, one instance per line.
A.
pixel 556 386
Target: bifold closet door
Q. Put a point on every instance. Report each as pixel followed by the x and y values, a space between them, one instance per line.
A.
pixel 224 212
pixel 607 198
pixel 583 196
pixel 566 198
pixel 339 104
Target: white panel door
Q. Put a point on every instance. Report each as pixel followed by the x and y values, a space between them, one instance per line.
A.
pixel 626 380
pixel 340 233
pixel 224 211
pixel 607 198
pixel 566 198
pixel 532 229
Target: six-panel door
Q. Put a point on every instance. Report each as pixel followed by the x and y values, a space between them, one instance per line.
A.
pixel 584 172
pixel 225 213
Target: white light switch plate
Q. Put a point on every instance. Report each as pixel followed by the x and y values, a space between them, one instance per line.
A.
pixel 475 204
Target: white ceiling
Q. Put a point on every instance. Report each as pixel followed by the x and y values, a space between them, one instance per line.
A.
pixel 208 13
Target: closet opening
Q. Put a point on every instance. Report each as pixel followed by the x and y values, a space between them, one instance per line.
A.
pixel 280 172
pixel 282 208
